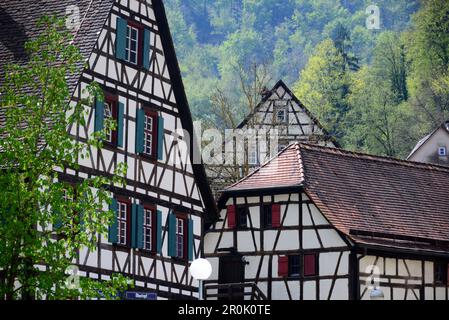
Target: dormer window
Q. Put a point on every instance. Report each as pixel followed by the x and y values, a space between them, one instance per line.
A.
pixel 442 151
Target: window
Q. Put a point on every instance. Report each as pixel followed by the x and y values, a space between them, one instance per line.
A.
pixel 442 151
pixel 281 115
pixel 267 216
pixel 108 115
pixel 440 273
pixel 242 217
pixel 252 156
pixel 148 229
pixel 122 222
pixel 132 45
pixel 310 265
pixel 150 134
pixel 294 266
pixel 180 237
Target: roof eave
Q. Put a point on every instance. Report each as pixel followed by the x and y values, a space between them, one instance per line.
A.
pixel 226 194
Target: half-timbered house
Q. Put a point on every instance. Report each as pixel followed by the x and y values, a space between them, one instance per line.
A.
pixel 318 223
pixel 159 214
pixel 281 114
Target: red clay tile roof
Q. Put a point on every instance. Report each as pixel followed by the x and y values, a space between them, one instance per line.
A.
pixel 362 192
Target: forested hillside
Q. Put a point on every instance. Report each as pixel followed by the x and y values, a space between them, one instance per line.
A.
pixel 377 91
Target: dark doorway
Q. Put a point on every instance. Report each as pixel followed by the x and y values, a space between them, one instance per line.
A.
pixel 231 271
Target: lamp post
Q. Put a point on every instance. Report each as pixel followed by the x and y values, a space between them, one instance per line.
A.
pixel 201 270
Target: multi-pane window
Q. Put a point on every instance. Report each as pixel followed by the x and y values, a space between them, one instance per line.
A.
pixel 281 115
pixel 442 151
pixel 149 135
pixel 132 44
pixel 294 265
pixel 252 155
pixel 147 229
pixel 108 115
pixel 180 238
pixel 122 220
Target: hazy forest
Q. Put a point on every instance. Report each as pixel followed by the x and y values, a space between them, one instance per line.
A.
pixel 376 90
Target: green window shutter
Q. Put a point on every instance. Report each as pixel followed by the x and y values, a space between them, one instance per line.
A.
pixel 160 138
pixel 172 235
pixel 159 232
pixel 139 233
pixel 113 228
pixel 99 115
pixel 190 239
pixel 146 49
pixel 120 40
pixel 134 226
pixel 120 124
pixel 140 119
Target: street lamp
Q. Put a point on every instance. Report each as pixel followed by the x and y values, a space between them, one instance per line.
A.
pixel 377 294
pixel 201 270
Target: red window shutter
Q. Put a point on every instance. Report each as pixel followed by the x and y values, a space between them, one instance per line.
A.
pixel 283 266
pixel 231 217
pixel 276 216
pixel 310 265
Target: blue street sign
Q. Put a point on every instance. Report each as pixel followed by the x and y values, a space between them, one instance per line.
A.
pixel 130 295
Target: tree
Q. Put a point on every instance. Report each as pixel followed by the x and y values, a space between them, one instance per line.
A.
pixel 229 113
pixel 44 221
pixel 428 46
pixel 342 42
pixel 323 87
pixel 390 64
pixel 376 122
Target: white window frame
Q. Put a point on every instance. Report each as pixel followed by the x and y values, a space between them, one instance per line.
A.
pixel 129 41
pixel 148 135
pixel 442 151
pixel 122 222
pixel 180 237
pixel 148 229
pixel 284 112
pixel 253 156
pixel 108 116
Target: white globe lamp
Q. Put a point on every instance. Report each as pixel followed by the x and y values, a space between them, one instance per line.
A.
pixel 201 270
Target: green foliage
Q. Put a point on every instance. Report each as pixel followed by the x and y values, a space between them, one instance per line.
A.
pixel 45 221
pixel 428 46
pixel 323 86
pixel 213 38
pixel 400 93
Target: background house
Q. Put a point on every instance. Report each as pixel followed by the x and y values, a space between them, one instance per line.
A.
pixel 278 110
pixel 434 147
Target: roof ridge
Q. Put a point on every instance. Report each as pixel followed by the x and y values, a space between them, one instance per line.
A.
pixel 371 157
pixel 302 174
